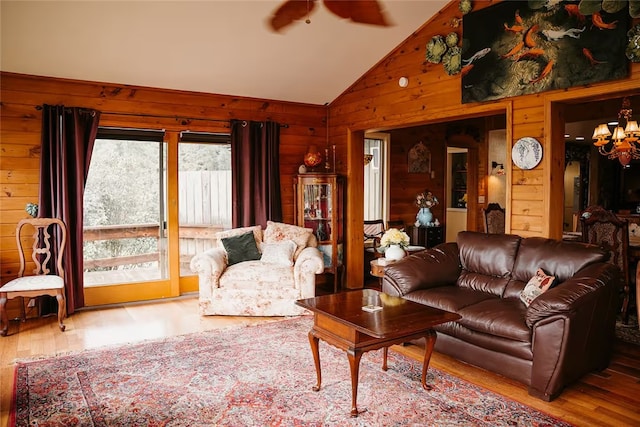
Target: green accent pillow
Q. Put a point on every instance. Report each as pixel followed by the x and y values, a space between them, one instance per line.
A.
pixel 241 248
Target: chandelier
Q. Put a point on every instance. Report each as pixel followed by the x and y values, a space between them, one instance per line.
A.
pixel 623 140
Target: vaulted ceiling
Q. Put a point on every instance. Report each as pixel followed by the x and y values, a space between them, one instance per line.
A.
pixel 214 46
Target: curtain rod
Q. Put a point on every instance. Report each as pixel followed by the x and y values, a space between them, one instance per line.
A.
pixel 39 107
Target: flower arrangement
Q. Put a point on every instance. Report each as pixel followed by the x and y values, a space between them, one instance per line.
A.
pixel 426 199
pixel 393 236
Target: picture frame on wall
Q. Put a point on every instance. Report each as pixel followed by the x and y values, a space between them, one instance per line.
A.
pixel 419 159
pixel 519 48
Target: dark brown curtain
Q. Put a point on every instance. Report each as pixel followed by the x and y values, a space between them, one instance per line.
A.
pixel 68 135
pixel 255 156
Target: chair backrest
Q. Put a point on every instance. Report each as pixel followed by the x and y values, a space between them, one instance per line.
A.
pixel 49 242
pixel 396 223
pixel 603 228
pixel 494 217
pixel 373 229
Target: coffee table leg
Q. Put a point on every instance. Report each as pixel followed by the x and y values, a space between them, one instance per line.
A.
pixel 313 340
pixel 430 341
pixel 385 351
pixel 354 363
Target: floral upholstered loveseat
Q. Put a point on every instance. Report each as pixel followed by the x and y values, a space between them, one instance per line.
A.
pixel 255 272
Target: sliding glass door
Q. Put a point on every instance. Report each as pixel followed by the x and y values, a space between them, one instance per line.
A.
pixel 125 238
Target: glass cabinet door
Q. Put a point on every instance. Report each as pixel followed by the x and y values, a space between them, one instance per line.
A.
pixel 319 207
pixel 318 210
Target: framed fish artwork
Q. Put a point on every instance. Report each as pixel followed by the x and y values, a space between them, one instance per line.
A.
pixel 517 48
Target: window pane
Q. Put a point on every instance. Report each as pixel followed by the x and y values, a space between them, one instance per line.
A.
pixel 204 176
pixel 124 208
pixel 373 185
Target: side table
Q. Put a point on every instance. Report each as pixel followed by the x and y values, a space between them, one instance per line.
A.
pixel 426 236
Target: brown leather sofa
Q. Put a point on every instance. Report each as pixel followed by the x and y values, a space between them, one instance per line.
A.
pixel 565 333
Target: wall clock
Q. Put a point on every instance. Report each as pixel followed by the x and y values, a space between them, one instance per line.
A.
pixel 526 153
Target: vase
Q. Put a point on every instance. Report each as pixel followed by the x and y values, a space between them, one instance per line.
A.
pixel 312 157
pixel 394 253
pixel 424 217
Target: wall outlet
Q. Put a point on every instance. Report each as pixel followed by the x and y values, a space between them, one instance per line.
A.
pixel 480 199
pixel 31 303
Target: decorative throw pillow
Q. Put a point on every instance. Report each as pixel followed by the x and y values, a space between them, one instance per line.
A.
pixel 536 286
pixel 280 253
pixel 277 231
pixel 241 248
pixel 256 229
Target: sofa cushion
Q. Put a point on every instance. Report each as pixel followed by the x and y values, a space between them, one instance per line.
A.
pixel 503 317
pixel 280 253
pixel 450 298
pixel 241 248
pixel 257 275
pixel 277 231
pixel 536 286
pixel 560 259
pixel 490 255
pixel 493 343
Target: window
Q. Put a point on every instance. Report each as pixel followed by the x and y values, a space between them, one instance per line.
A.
pixel 375 194
pixel 125 208
pixel 204 176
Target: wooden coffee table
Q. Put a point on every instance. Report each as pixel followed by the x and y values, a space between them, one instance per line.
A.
pixel 340 321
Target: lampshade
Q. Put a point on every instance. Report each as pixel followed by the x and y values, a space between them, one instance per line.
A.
pixel 601 131
pixel 618 134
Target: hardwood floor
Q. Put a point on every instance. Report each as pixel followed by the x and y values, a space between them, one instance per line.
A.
pixel 608 398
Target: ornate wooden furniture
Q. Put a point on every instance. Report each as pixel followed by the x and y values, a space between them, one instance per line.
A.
pixel 49 243
pixel 426 237
pixel 494 217
pixel 373 231
pixel 339 320
pixel 603 228
pixel 320 207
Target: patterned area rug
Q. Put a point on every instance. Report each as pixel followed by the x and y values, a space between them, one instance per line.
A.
pixel 249 376
pixel 628 332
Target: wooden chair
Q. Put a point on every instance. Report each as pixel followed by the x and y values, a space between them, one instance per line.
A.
pixel 48 276
pixel 373 231
pixel 603 228
pixel 494 218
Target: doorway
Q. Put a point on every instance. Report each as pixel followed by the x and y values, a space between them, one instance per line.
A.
pixel 376 180
pixel 590 177
pixel 457 196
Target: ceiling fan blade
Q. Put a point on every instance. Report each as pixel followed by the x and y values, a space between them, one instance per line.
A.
pixel 289 12
pixel 361 11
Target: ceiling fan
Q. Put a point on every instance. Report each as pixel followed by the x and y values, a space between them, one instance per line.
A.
pixel 360 11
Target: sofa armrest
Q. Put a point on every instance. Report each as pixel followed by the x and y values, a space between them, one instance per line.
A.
pixel 570 295
pixel 438 266
pixel 573 331
pixel 307 265
pixel 209 265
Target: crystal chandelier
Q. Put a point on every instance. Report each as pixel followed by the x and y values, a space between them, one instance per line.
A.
pixel 623 141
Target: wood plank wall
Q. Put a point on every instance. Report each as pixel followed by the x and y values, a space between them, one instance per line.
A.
pixel 129 106
pixel 376 102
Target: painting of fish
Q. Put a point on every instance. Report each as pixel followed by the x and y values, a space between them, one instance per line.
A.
pixel 511 49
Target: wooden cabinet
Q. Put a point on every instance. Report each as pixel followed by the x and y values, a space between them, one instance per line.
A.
pixel 320 207
pixel 426 236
